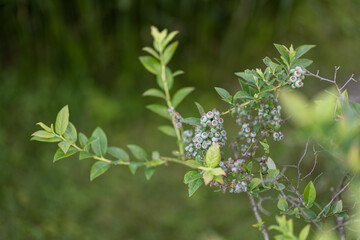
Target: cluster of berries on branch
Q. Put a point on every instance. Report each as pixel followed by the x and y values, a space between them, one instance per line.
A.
pixel 297 77
pixel 210 132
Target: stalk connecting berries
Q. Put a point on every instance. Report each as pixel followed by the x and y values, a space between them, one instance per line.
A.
pixel 176 116
pixel 297 77
pixel 210 132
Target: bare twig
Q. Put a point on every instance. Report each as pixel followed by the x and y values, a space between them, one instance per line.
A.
pixel 333 198
pixel 301 159
pixel 258 217
pixel 313 168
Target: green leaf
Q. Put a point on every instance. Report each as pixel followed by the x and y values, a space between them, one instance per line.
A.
pixel 217 171
pixel 43 134
pixel 303 62
pixel 62 120
pixel 302 50
pixel 85 155
pixel 244 86
pixel 40 139
pixel 149 171
pixel 265 146
pixel 83 140
pixel 43 126
pixel 70 133
pixel 194 186
pixel 151 64
pixel 254 183
pixel 192 121
pixel 213 156
pixel 304 233
pixel 169 51
pixel 242 95
pixel 155 162
pixel 168 130
pixel 169 37
pixel 60 154
pixel 191 175
pixel 99 168
pixel 118 153
pixel 337 207
pixel 194 163
pixel 153 92
pixel 133 166
pixel 310 213
pixel 270 163
pixel 200 108
pixel 65 145
pixel 225 95
pixel 99 146
pixel 282 204
pixel 159 109
pixel 138 152
pixel 151 51
pixel 272 173
pixel 309 194
pixel 177 73
pixel 180 95
pixel 283 52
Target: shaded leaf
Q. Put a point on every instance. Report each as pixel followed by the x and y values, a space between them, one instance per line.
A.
pixel 43 126
pixel 192 121
pixel 62 120
pixel 159 109
pixel 168 130
pixel 85 155
pixel 65 145
pixel 151 51
pixel 194 186
pixel 151 64
pixel 200 108
pixel 43 134
pixel 99 168
pixel 70 133
pixel 118 153
pixel 138 152
pixel 309 194
pixel 213 156
pixel 99 146
pixel 60 154
pixel 180 95
pixel 153 92
pixel 191 176
pixel 225 95
pixel 133 166
pixel 302 50
pixel 169 51
pixel 149 172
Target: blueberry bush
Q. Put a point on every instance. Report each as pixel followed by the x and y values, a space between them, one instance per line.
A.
pixel 331 123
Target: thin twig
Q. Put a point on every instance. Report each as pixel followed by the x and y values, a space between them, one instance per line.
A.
pixel 258 217
pixel 301 159
pixel 333 198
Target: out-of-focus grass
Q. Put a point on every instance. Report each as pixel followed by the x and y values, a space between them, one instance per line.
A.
pixel 84 54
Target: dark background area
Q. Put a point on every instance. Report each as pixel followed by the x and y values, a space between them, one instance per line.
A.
pixel 85 54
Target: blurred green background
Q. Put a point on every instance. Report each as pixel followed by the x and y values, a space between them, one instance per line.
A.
pixel 85 54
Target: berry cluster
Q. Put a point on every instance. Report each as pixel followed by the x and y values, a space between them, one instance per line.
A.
pixel 262 163
pixel 278 136
pixel 238 178
pixel 210 132
pixel 176 116
pixel 298 74
pixel 252 127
